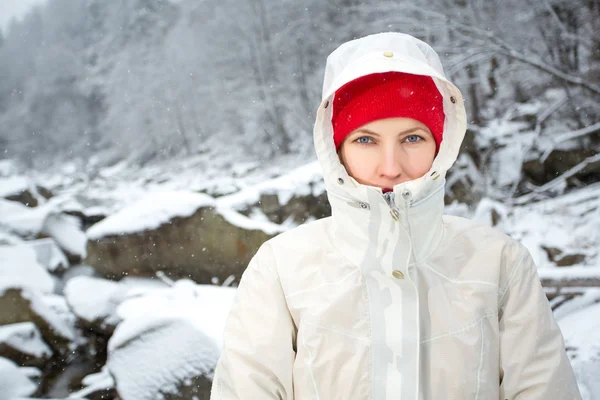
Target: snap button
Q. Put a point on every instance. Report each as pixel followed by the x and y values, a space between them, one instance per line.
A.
pixel 453 99
pixel 406 194
pixel 397 274
pixel 340 181
pixel 364 206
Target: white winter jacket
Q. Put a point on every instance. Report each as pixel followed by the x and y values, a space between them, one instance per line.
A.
pixel 388 298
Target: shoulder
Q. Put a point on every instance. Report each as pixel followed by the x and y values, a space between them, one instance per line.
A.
pixel 483 239
pixel 296 244
pixel 302 238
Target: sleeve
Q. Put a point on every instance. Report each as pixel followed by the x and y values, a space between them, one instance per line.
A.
pixel 533 361
pixel 259 339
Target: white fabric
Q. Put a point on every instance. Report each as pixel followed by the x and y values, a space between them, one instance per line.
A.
pixel 396 301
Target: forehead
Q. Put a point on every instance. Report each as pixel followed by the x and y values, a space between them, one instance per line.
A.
pixel 393 126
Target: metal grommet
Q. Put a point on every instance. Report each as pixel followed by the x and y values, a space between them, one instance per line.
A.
pixel 453 99
pixel 406 194
pixel 340 181
pixel 326 104
pixel 364 206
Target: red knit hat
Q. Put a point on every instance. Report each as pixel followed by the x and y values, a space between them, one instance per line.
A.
pixel 387 95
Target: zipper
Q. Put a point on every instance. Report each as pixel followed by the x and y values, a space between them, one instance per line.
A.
pixel 351 201
pixel 407 204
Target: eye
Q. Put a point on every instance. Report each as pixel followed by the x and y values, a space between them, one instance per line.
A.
pixel 413 138
pixel 364 140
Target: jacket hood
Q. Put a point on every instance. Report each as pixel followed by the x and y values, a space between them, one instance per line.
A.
pixel 385 52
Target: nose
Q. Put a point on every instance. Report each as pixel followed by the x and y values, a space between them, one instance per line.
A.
pixel 390 163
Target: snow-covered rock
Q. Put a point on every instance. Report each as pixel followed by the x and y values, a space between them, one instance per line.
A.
pixel 98 386
pixel 23 344
pixel 149 213
pixel 183 326
pixel 22 305
pixel 48 254
pixel 94 301
pixel 19 268
pixel 22 220
pixel 179 233
pixel 20 189
pixel 14 381
pixel 66 231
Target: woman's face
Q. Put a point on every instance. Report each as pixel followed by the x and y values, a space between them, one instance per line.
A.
pixel 387 152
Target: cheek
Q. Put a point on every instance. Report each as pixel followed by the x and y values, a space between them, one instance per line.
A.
pixel 421 160
pixel 360 163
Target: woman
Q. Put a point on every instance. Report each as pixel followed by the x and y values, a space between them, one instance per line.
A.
pixel 388 298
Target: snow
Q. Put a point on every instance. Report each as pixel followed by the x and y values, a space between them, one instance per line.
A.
pixel 301 181
pixel 94 382
pixel 19 268
pixel 26 338
pixel 182 325
pixel 22 220
pixel 206 306
pixel 47 253
pixel 580 329
pixel 13 185
pixel 180 353
pixel 241 221
pixel 94 299
pixel 14 382
pixel 66 231
pixel 41 307
pixel 568 223
pixel 153 210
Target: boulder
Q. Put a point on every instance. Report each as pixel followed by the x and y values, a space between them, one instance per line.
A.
pixel 94 302
pixel 23 344
pixel 298 209
pixel 181 234
pixel 67 233
pixel 179 367
pixel 21 305
pixel 560 161
pixel 14 381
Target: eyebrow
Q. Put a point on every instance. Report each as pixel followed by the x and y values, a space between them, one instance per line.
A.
pixel 370 132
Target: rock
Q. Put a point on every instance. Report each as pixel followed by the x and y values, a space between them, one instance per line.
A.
pixel 13 307
pixel 558 257
pixel 21 189
pixel 21 220
pixel 47 254
pixel 298 209
pixel 18 189
pixel 23 344
pixel 198 246
pixel 179 367
pixel 557 163
pixel 98 386
pixel 14 381
pixel 94 301
pixel 67 233
pixel 21 305
pixel 269 205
